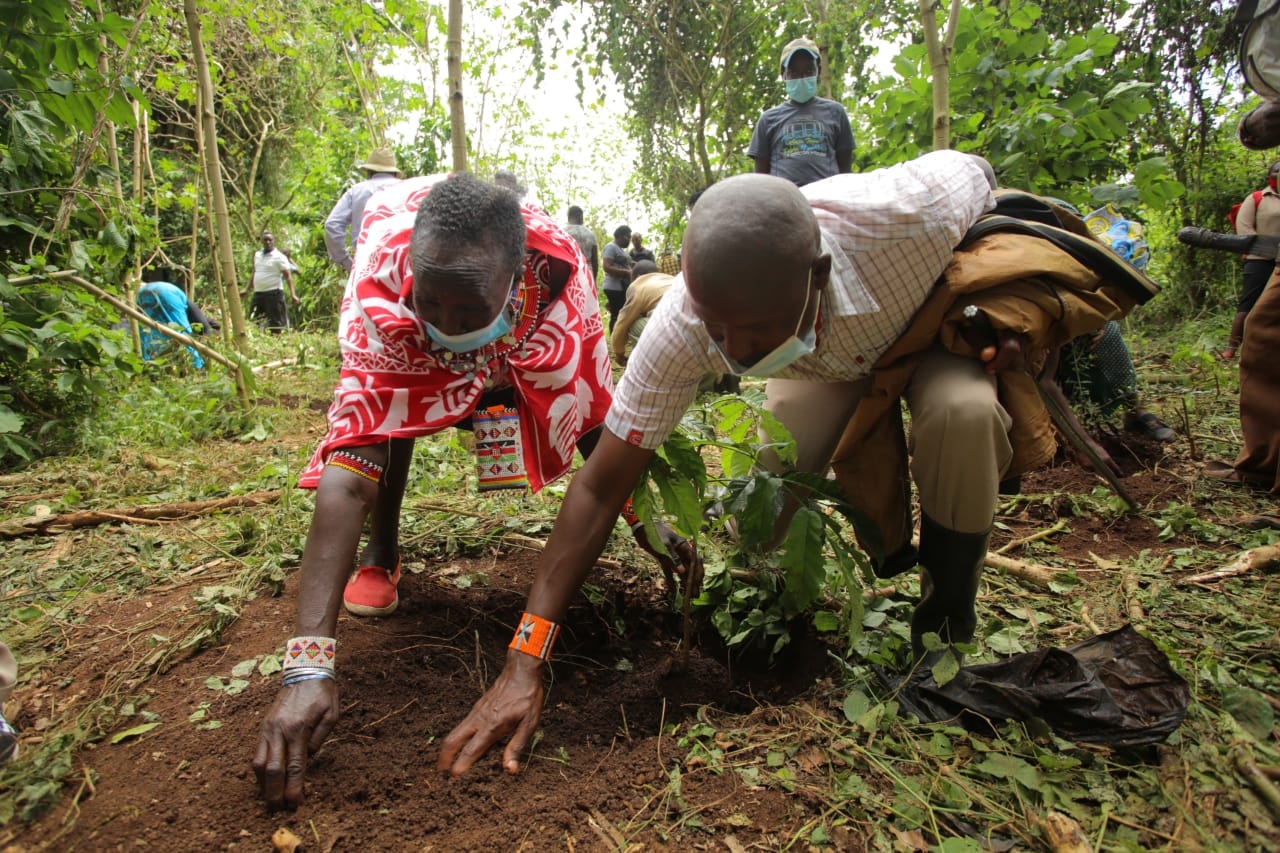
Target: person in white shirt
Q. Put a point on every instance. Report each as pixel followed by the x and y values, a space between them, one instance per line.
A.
pixel 271 271
pixel 808 287
pixel 381 171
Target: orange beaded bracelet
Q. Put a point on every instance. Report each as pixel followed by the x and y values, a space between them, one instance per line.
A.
pixel 535 636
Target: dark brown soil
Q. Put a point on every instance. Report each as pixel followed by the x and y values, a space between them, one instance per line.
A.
pixel 407 679
pixel 601 771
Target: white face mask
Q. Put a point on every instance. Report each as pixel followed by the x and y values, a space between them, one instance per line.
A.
pixel 784 354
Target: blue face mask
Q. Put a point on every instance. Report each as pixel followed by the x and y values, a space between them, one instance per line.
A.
pixel 784 354
pixel 473 340
pixel 802 89
pixel 468 341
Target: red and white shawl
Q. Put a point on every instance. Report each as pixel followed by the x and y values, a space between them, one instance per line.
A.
pixel 396 383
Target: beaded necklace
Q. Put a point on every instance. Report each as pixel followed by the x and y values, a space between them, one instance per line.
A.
pixel 525 303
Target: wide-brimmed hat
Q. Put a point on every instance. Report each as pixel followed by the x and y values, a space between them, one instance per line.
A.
pixel 380 160
pixel 801 43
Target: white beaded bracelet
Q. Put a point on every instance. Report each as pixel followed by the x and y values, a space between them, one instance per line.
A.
pixel 311 653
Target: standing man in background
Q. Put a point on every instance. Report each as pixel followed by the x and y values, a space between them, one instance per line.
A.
pixel 271 269
pixel 805 138
pixel 617 271
pixel 380 171
pixel 638 251
pixel 586 239
pixel 1259 214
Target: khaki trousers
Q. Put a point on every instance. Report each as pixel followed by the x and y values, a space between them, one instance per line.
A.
pixel 959 441
pixel 1259 459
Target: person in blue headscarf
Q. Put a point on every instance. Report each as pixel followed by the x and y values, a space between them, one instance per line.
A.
pixel 167 304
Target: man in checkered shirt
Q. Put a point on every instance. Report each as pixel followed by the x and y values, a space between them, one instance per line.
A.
pixel 807 287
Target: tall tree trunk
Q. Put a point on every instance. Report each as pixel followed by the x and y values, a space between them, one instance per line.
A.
pixel 940 66
pixel 457 118
pixel 213 168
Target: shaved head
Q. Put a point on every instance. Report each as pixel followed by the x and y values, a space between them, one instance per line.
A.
pixel 749 235
pixel 752 263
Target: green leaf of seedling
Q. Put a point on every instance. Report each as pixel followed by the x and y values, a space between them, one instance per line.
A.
pixel 142 729
pixel 802 557
pixel 680 497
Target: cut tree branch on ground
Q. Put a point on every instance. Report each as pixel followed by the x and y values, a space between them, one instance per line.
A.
pixel 275 365
pixel 1254 560
pixel 1132 607
pixel 31 525
pixel 1267 791
pixel 1036 575
pixel 1057 527
pixel 1063 834
pixel 522 541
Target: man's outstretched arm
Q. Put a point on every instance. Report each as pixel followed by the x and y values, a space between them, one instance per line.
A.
pixel 513 705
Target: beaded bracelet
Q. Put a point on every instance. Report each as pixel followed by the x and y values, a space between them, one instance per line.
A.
pixel 309 653
pixel 359 466
pixel 535 636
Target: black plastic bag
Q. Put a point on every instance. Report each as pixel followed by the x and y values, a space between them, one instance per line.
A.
pixel 1116 689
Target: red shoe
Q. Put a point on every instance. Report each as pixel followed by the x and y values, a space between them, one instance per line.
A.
pixel 371 591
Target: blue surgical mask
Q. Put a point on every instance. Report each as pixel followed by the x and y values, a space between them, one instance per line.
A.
pixel 468 341
pixel 784 354
pixel 802 89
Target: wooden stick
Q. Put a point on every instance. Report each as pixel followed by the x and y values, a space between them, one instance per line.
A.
pixel 1087 619
pixel 1129 586
pixel 522 541
pixel 17 527
pixel 1255 559
pixel 1058 526
pixel 1063 834
pixel 1186 429
pixel 1269 793
pixel 272 365
pixel 1036 575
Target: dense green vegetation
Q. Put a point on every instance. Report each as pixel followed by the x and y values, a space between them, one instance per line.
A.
pixel 101 169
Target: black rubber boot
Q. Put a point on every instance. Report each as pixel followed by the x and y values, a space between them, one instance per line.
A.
pixel 953 568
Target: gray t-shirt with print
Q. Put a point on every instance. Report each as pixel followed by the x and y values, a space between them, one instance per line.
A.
pixel 802 140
